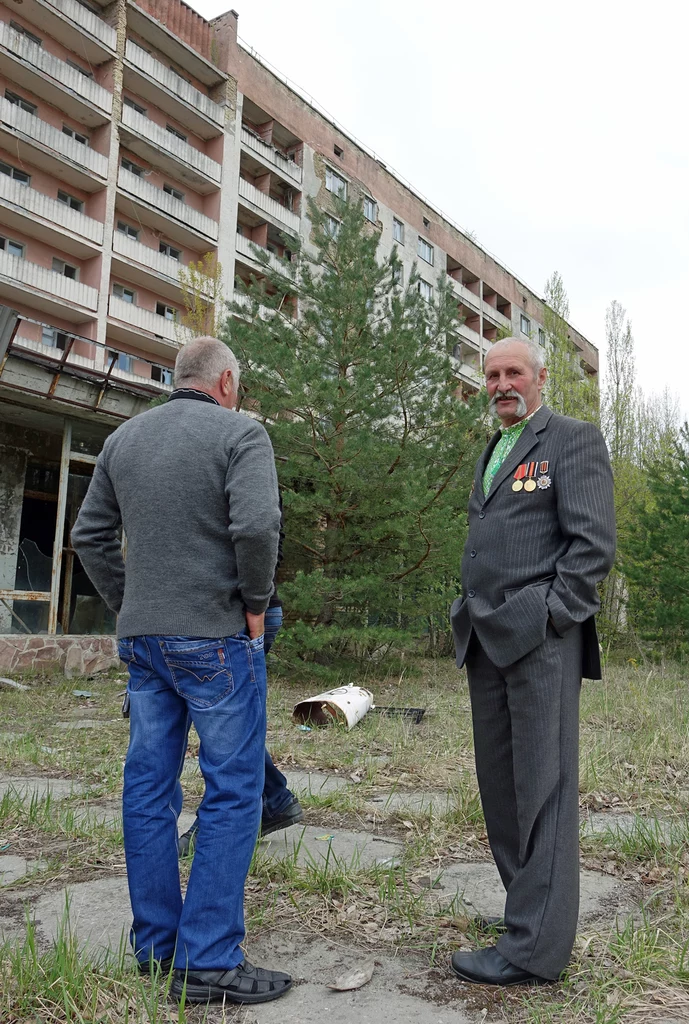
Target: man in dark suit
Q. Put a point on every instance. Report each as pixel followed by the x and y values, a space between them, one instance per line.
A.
pixel 541 537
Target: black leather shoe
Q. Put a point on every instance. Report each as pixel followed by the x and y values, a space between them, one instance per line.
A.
pixel 155 966
pixel 487 924
pixel 488 967
pixel 289 815
pixel 186 842
pixel 243 984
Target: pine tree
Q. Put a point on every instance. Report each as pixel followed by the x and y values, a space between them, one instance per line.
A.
pixel 656 553
pixel 375 450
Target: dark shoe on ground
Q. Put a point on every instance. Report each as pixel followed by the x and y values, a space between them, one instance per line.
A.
pixel 185 843
pixel 487 924
pixel 243 984
pixel 153 966
pixel 488 967
pixel 289 815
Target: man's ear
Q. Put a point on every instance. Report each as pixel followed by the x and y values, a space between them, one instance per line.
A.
pixel 226 382
pixel 542 376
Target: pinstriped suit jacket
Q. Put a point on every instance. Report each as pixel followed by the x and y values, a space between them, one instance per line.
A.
pixel 531 556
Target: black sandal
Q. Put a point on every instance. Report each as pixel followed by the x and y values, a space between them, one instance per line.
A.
pixel 243 984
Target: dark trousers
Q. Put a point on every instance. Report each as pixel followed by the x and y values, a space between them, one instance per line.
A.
pixel 526 737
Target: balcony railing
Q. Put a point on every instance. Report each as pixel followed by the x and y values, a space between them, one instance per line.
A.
pixel 48 209
pixel 42 132
pixel 268 205
pixel 169 80
pixel 245 247
pixel 272 156
pixel 464 293
pixel 41 279
pixel 143 189
pixel 164 139
pixel 466 334
pixel 147 320
pixel 496 316
pixel 145 255
pixel 36 57
pixel 87 21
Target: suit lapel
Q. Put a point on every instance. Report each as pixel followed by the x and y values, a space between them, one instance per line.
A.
pixel 527 439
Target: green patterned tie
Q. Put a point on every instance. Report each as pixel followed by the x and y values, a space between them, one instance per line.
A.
pixel 510 436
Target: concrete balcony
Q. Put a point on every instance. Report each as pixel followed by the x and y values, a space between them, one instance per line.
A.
pixel 471 337
pixel 158 146
pixel 86 22
pixel 158 84
pixel 61 19
pixel 40 288
pixel 271 157
pixel 136 262
pixel 260 203
pixel 31 67
pixel 37 215
pixel 245 251
pixel 144 328
pixel 37 142
pixel 464 293
pixel 496 317
pixel 163 212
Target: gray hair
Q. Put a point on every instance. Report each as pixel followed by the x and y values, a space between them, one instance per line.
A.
pixel 535 352
pixel 202 361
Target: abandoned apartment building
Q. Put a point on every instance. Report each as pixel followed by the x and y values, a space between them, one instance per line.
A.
pixel 135 138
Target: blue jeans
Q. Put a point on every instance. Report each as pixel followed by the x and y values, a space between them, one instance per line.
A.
pixel 276 795
pixel 220 686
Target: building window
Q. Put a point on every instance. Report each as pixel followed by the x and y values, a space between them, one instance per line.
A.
pixel 128 230
pixel 370 209
pixel 169 312
pixel 398 230
pixel 12 248
pixel 426 291
pixel 126 294
pixel 77 136
pixel 19 101
pixel 177 134
pixel 161 374
pixel 332 226
pixel 524 324
pixel 398 275
pixel 54 339
pixel 25 32
pixel 541 337
pixel 120 361
pixel 338 151
pixel 133 105
pixel 174 192
pixel 65 269
pixel 71 201
pixel 14 173
pixel 334 183
pixel 169 250
pixel 78 67
pixel 426 222
pixel 425 250
pixel 133 168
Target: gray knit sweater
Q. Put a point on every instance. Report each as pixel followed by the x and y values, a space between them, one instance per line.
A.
pixel 195 488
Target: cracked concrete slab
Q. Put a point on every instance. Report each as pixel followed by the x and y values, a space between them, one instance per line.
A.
pixel 389 998
pixel 314 783
pixel 82 723
pixel 39 786
pixel 479 886
pixel 310 845
pixel 415 801
pixel 13 868
pixel 597 822
pixel 99 912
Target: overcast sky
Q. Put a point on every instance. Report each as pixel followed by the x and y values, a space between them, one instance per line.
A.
pixel 556 131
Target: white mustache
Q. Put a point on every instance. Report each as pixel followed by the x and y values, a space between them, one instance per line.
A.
pixel 521 404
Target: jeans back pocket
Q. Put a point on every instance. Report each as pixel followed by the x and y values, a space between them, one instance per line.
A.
pixel 200 669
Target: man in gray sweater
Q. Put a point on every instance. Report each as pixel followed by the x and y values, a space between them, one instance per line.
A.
pixel 193 485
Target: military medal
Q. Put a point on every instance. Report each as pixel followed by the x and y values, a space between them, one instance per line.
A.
pixel 519 478
pixel 544 480
pixel 530 483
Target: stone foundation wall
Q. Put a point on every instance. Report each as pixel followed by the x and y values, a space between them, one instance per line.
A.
pixel 73 655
